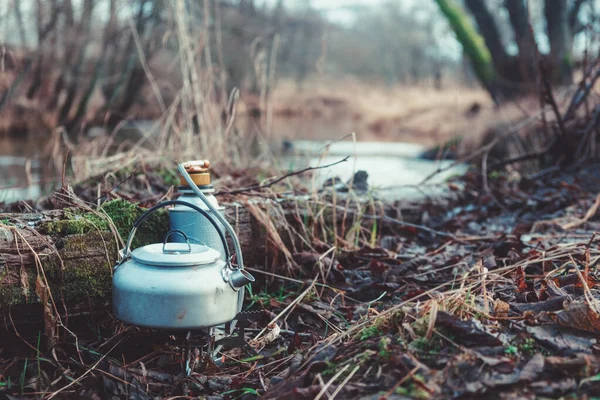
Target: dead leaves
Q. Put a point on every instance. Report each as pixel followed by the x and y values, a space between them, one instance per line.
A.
pixel 43 293
pixel 465 332
pixel 561 340
pixel 577 315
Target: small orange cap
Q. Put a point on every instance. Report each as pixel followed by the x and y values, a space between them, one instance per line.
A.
pixel 198 171
pixel 200 179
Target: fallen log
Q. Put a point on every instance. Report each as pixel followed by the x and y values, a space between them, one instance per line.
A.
pixel 72 251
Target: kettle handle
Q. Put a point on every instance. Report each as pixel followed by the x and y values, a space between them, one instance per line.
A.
pixel 182 233
pixel 145 215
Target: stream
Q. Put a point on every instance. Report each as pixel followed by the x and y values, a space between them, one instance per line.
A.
pixel 393 168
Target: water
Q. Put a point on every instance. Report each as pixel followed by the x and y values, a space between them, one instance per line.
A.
pixel 393 168
pixel 23 174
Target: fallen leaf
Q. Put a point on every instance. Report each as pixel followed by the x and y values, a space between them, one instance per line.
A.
pixel 272 334
pixel 555 304
pixel 377 267
pixel 578 315
pixel 501 308
pixel 561 339
pixel 520 281
pixel 552 388
pixel 465 332
pixel 533 368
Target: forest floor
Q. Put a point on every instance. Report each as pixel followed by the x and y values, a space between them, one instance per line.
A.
pixel 493 296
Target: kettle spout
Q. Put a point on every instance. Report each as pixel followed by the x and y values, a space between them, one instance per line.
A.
pixel 240 278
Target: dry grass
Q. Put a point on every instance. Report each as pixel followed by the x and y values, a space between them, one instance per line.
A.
pixel 329 108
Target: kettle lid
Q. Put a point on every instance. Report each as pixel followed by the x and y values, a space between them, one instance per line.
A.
pixel 175 255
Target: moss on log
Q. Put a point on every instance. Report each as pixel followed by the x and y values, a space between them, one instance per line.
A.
pixel 73 250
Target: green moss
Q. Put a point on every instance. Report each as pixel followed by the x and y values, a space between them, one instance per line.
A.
pixel 88 250
pixel 87 269
pixel 369 332
pixel 384 347
pixel 414 388
pixel 76 224
pixel 10 295
pixel 122 214
pixel 87 281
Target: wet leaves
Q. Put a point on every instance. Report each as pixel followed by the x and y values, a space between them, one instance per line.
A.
pixel 561 340
pixel 465 332
pixel 578 315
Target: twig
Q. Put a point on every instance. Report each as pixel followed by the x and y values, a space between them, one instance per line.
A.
pixel 402 223
pixel 550 99
pixel 128 177
pixel 589 214
pixel 273 182
pixel 586 144
pixel 460 161
pixel 581 94
pixel 85 373
pixel 401 381
pixel 292 304
pixel 344 382
pixel 512 160
pixel 326 145
pixel 333 378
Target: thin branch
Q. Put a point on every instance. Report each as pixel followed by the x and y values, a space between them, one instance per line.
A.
pixel 273 182
pixel 128 177
pixel 587 142
pixel 512 160
pixel 582 93
pixel 461 160
pixel 550 99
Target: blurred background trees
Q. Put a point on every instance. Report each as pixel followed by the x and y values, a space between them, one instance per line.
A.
pixel 86 62
pixel 517 40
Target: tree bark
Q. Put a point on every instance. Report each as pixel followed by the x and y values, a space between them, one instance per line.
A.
pixel 519 19
pixel 76 63
pixel 488 29
pixel 43 31
pixel 574 23
pixel 472 44
pixel 561 39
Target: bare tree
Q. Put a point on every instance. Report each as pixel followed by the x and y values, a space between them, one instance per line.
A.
pixel 513 75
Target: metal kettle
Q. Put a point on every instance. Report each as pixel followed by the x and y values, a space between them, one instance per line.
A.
pixel 178 285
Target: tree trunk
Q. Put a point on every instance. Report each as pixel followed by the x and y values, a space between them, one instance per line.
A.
pixel 20 23
pixel 574 22
pixel 473 45
pixel 519 19
pixel 489 30
pixel 561 39
pixel 76 63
